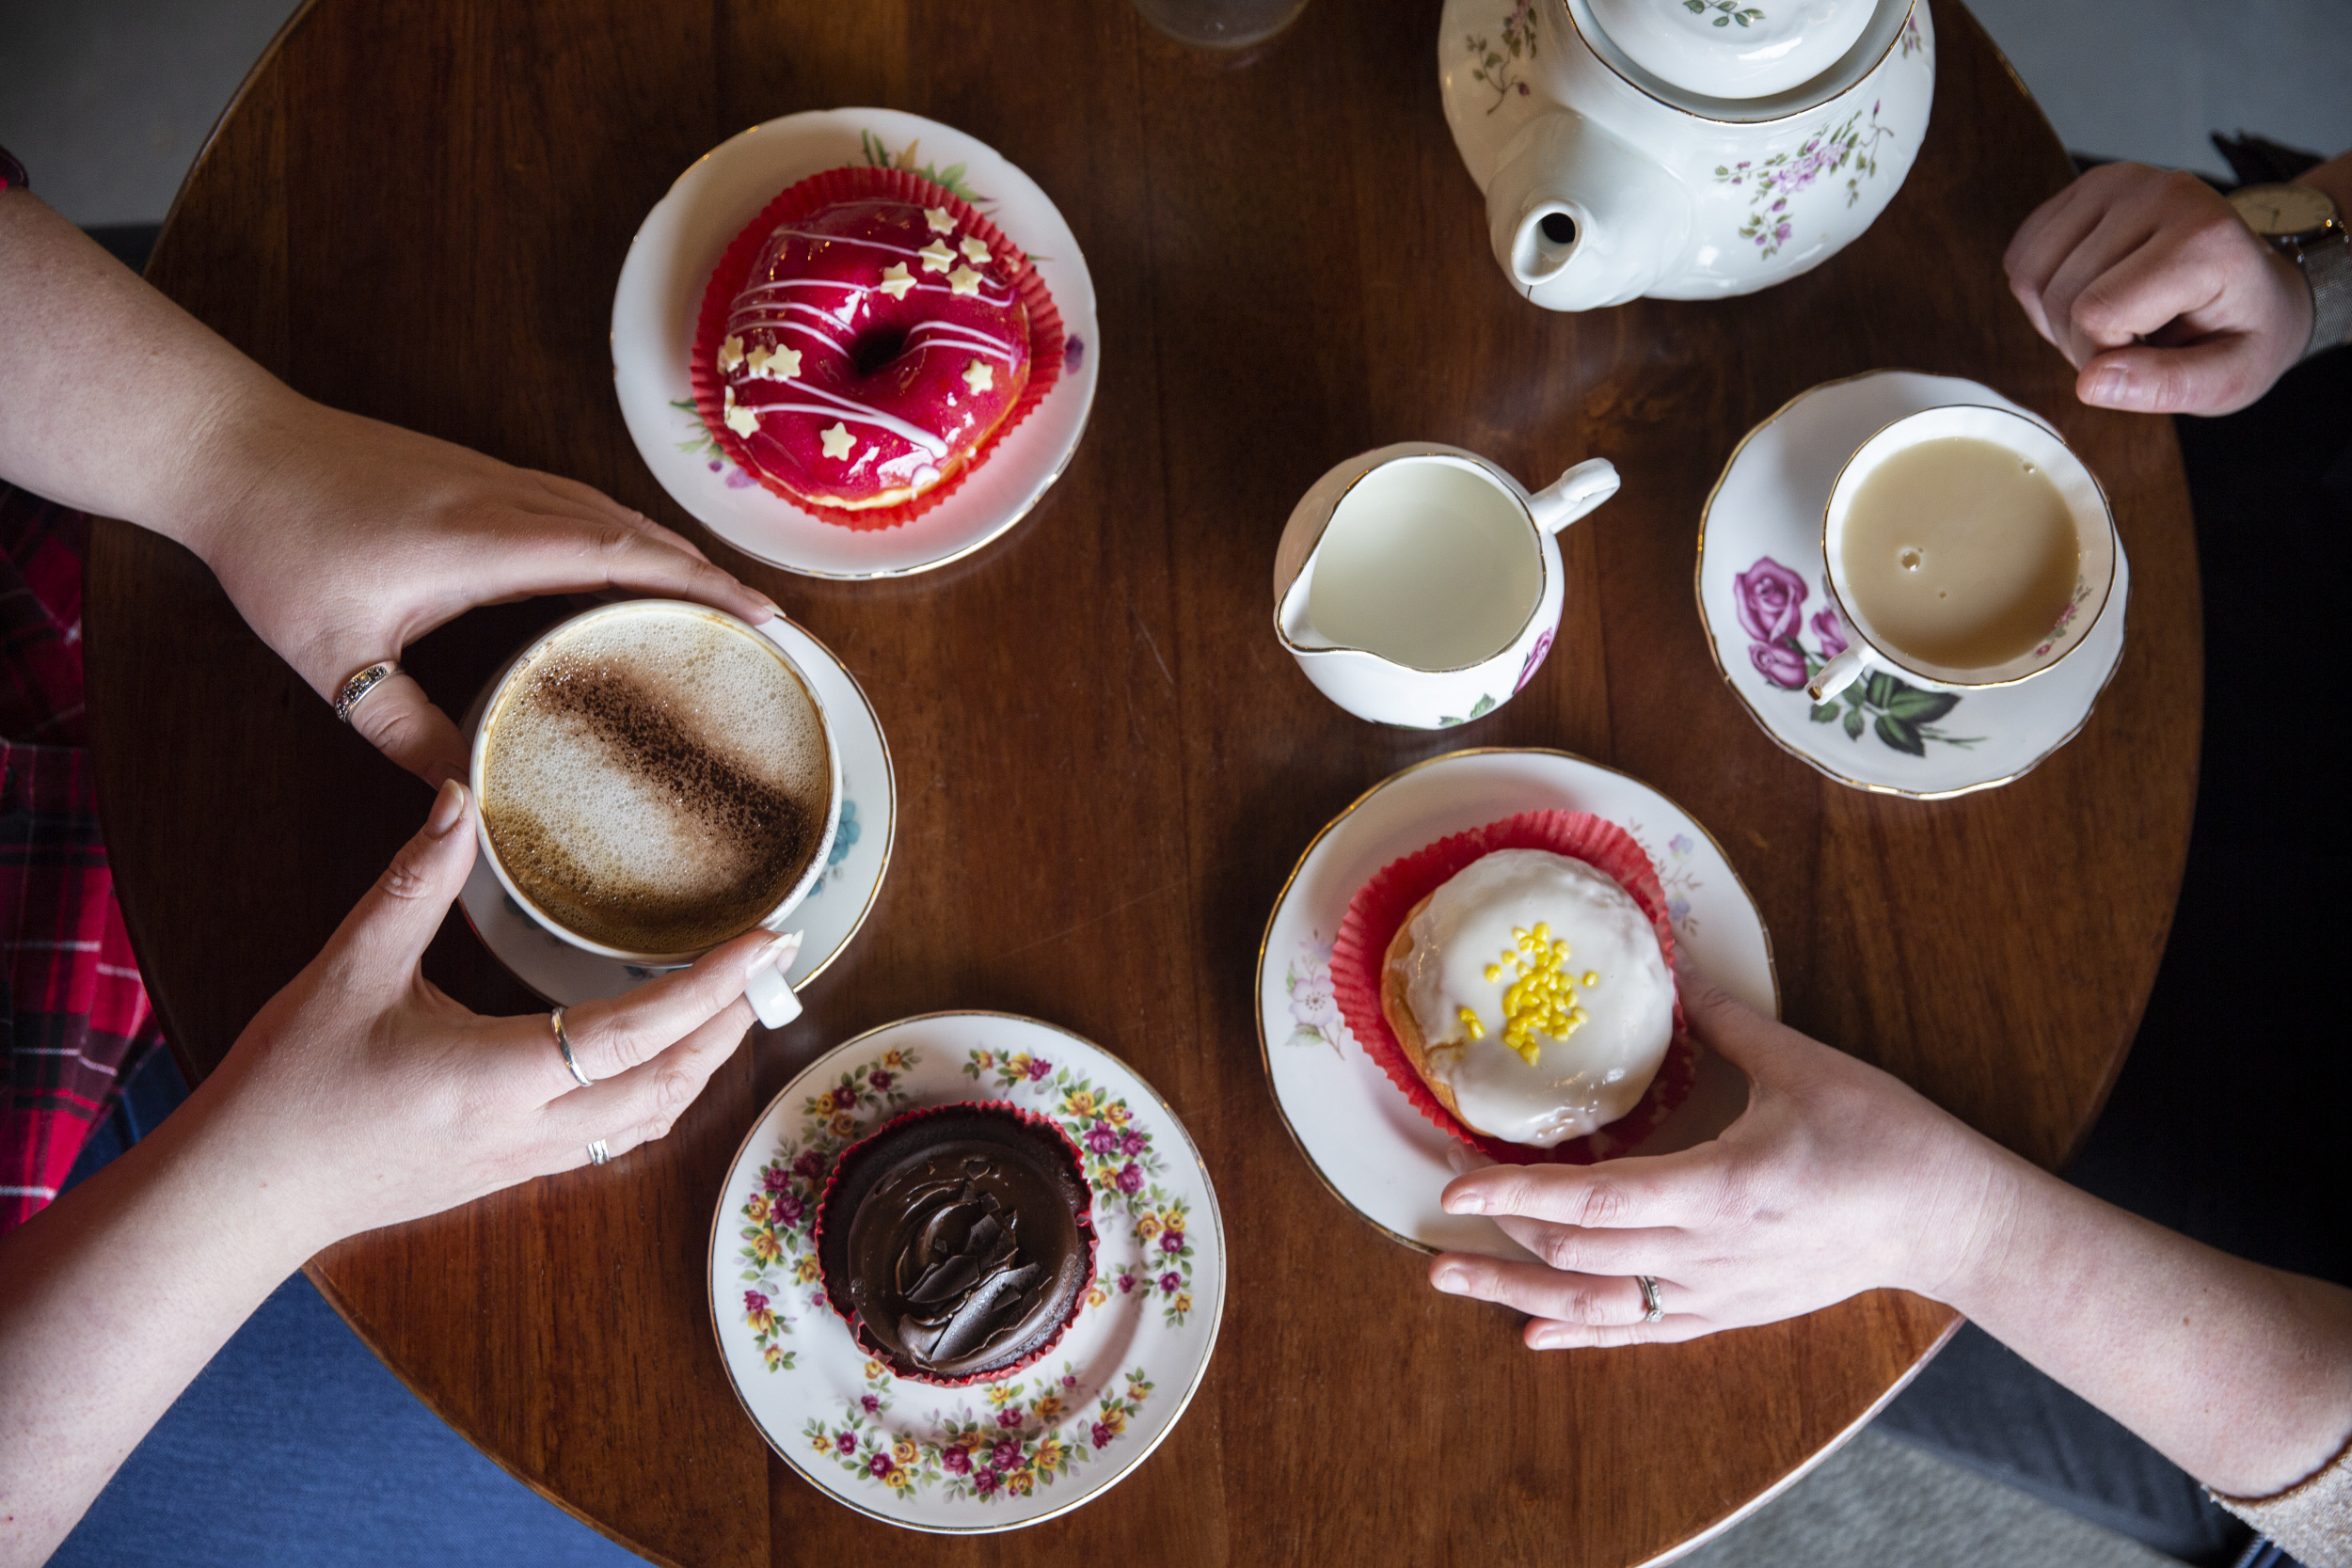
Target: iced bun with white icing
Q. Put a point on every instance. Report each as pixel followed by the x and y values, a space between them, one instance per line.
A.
pixel 1529 994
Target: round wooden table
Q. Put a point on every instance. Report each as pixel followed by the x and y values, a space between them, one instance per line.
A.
pixel 1107 764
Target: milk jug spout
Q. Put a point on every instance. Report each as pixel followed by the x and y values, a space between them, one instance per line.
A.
pixel 1579 219
pixel 1291 617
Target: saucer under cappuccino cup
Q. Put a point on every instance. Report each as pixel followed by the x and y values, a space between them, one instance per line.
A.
pixel 655 778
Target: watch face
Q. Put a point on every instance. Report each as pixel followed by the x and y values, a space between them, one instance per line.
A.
pixel 2279 211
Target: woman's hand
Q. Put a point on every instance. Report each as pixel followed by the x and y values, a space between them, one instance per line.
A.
pixel 342 539
pixel 366 1096
pixel 2156 290
pixel 1837 1179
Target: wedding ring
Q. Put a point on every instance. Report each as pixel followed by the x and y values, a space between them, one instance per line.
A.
pixel 598 1153
pixel 1649 1298
pixel 563 1043
pixel 360 683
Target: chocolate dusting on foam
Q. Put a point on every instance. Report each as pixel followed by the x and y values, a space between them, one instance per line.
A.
pixel 758 834
pixel 963 1251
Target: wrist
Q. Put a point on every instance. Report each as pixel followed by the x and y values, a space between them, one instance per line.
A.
pixel 235 1156
pixel 1963 1214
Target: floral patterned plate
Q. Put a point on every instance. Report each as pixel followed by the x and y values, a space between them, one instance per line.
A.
pixel 830 915
pixel 659 294
pixel 1054 1434
pixel 1377 1154
pixel 1770 623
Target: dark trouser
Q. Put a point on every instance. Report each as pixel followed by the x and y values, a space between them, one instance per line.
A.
pixel 2227 1121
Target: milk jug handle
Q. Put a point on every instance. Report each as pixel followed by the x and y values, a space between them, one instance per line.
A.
pixel 1573 494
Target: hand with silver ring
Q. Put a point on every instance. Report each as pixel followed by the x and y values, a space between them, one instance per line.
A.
pixel 380 1098
pixel 1837 1179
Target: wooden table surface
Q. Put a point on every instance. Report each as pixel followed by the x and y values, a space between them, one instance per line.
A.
pixel 1107 765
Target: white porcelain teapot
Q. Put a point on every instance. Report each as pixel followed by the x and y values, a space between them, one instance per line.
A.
pixel 1681 148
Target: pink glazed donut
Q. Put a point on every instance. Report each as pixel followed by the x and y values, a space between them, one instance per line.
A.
pixel 872 350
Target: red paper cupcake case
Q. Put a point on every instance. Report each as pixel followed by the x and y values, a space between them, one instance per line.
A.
pixel 1376 912
pixel 859 184
pixel 874 1348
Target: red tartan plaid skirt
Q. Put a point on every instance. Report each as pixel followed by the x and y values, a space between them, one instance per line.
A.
pixel 74 1019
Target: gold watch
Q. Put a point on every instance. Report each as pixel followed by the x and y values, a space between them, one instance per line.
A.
pixel 2302 223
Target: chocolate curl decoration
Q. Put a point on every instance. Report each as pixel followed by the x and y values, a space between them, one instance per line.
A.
pixel 961 1275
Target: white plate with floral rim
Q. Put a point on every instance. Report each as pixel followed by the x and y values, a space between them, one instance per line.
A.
pixel 1770 623
pixel 1377 1154
pixel 1054 1434
pixel 829 914
pixel 659 298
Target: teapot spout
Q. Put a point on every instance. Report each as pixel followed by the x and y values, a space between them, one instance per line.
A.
pixel 1579 219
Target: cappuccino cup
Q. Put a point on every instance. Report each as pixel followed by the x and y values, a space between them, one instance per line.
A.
pixel 655 778
pixel 1964 548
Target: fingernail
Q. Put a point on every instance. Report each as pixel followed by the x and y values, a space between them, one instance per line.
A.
pixel 1547 1340
pixel 1454 1282
pixel 779 953
pixel 772 609
pixel 1466 1203
pixel 2110 386
pixel 448 806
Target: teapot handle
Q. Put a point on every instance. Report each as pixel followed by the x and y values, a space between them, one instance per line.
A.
pixel 1573 494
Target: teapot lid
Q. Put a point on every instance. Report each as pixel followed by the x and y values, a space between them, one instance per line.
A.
pixel 1734 48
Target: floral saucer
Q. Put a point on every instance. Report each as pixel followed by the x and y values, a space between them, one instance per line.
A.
pixel 659 294
pixel 1377 1154
pixel 831 914
pixel 1770 623
pixel 1056 1434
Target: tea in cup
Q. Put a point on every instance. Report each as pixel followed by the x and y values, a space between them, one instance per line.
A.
pixel 657 778
pixel 1964 548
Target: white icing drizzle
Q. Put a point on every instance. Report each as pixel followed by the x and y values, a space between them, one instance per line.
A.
pixel 1579 1084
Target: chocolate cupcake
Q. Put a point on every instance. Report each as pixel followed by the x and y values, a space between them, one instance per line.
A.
pixel 958 1241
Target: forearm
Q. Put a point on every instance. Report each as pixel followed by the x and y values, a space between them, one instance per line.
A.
pixel 114 1296
pixel 2241 1374
pixel 112 398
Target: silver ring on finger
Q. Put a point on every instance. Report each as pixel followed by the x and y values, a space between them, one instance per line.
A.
pixel 360 683
pixel 563 1043
pixel 598 1153
pixel 1653 1308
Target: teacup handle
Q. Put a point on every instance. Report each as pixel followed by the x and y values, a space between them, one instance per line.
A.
pixel 772 996
pixel 1573 494
pixel 1837 674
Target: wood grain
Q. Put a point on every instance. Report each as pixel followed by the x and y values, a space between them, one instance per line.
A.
pixel 418 210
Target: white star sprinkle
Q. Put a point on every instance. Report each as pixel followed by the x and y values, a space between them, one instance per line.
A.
pixel 739 419
pixel 973 250
pixel 963 280
pixel 730 354
pixel 837 440
pixel 896 280
pixel 780 364
pixel 942 221
pixel 935 257
pixel 978 375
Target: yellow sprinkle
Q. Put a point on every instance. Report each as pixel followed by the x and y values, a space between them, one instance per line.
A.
pixel 1469 1021
pixel 1543 930
pixel 1494 972
pixel 1591 978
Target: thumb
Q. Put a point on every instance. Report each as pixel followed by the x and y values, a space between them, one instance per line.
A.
pixel 2218 375
pixel 401 722
pixel 1725 1025
pixel 388 929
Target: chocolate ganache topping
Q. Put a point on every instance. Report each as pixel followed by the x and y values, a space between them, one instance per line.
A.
pixel 965 1245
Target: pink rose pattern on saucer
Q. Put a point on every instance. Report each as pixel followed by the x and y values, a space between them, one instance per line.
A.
pixel 1770 599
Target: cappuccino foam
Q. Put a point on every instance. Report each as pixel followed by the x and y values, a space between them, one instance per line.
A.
pixel 656 781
